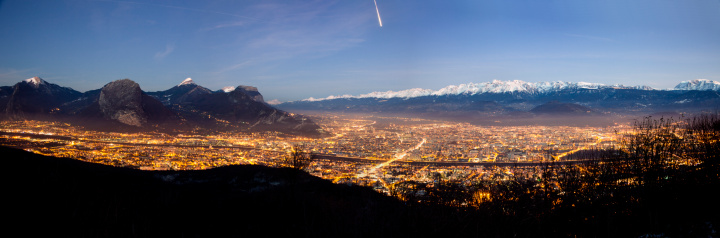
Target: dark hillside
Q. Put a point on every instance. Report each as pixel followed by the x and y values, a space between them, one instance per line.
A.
pixel 67 198
pixel 60 197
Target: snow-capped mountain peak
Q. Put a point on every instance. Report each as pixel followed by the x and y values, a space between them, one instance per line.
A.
pixel 35 81
pixel 228 89
pixel 495 86
pixel 699 84
pixel 187 81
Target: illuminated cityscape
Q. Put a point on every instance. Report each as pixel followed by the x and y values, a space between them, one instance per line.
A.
pixel 364 150
pixel 138 118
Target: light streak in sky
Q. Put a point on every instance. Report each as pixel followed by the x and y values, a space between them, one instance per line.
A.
pixel 378 12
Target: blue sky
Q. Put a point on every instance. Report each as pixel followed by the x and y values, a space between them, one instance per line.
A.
pixel 293 50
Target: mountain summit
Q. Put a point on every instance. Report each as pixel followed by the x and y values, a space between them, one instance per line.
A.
pixel 187 81
pixel 698 84
pixel 34 97
pixel 35 81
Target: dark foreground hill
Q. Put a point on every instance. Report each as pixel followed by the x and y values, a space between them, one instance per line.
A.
pixel 59 197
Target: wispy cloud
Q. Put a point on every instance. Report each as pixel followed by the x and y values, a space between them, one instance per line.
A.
pixel 289 30
pixel 589 37
pixel 231 24
pixel 169 48
pixel 235 66
pixel 9 75
pixel 177 7
pixel 307 28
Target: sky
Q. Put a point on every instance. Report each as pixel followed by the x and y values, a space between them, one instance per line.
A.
pixel 292 50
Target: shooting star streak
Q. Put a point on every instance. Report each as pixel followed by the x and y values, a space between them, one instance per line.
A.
pixel 378 12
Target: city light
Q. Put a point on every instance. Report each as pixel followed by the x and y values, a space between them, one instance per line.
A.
pixel 370 150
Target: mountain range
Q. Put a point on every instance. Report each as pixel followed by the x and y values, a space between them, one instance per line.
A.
pixel 188 106
pixel 518 86
pixel 123 105
pixel 518 98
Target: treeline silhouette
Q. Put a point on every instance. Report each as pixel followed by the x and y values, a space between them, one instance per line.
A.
pixel 661 180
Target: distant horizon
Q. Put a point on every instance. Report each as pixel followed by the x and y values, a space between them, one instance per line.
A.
pixel 371 94
pixel 671 85
pixel 296 50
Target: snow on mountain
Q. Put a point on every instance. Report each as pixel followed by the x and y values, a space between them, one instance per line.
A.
pixel 699 84
pixel 496 86
pixel 228 89
pixel 35 81
pixel 274 102
pixel 408 93
pixel 187 81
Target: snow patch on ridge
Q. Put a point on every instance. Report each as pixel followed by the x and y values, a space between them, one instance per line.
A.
pixel 228 89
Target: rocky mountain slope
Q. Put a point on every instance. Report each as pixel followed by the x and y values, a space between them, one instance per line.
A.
pixel 123 101
pixel 241 105
pixel 123 105
pixel 34 98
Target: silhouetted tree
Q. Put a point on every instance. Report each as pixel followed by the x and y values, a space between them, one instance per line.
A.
pixel 654 148
pixel 662 170
pixel 298 158
pixel 703 132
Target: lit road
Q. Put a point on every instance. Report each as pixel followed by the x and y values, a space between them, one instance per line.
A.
pixel 398 156
pixel 599 140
